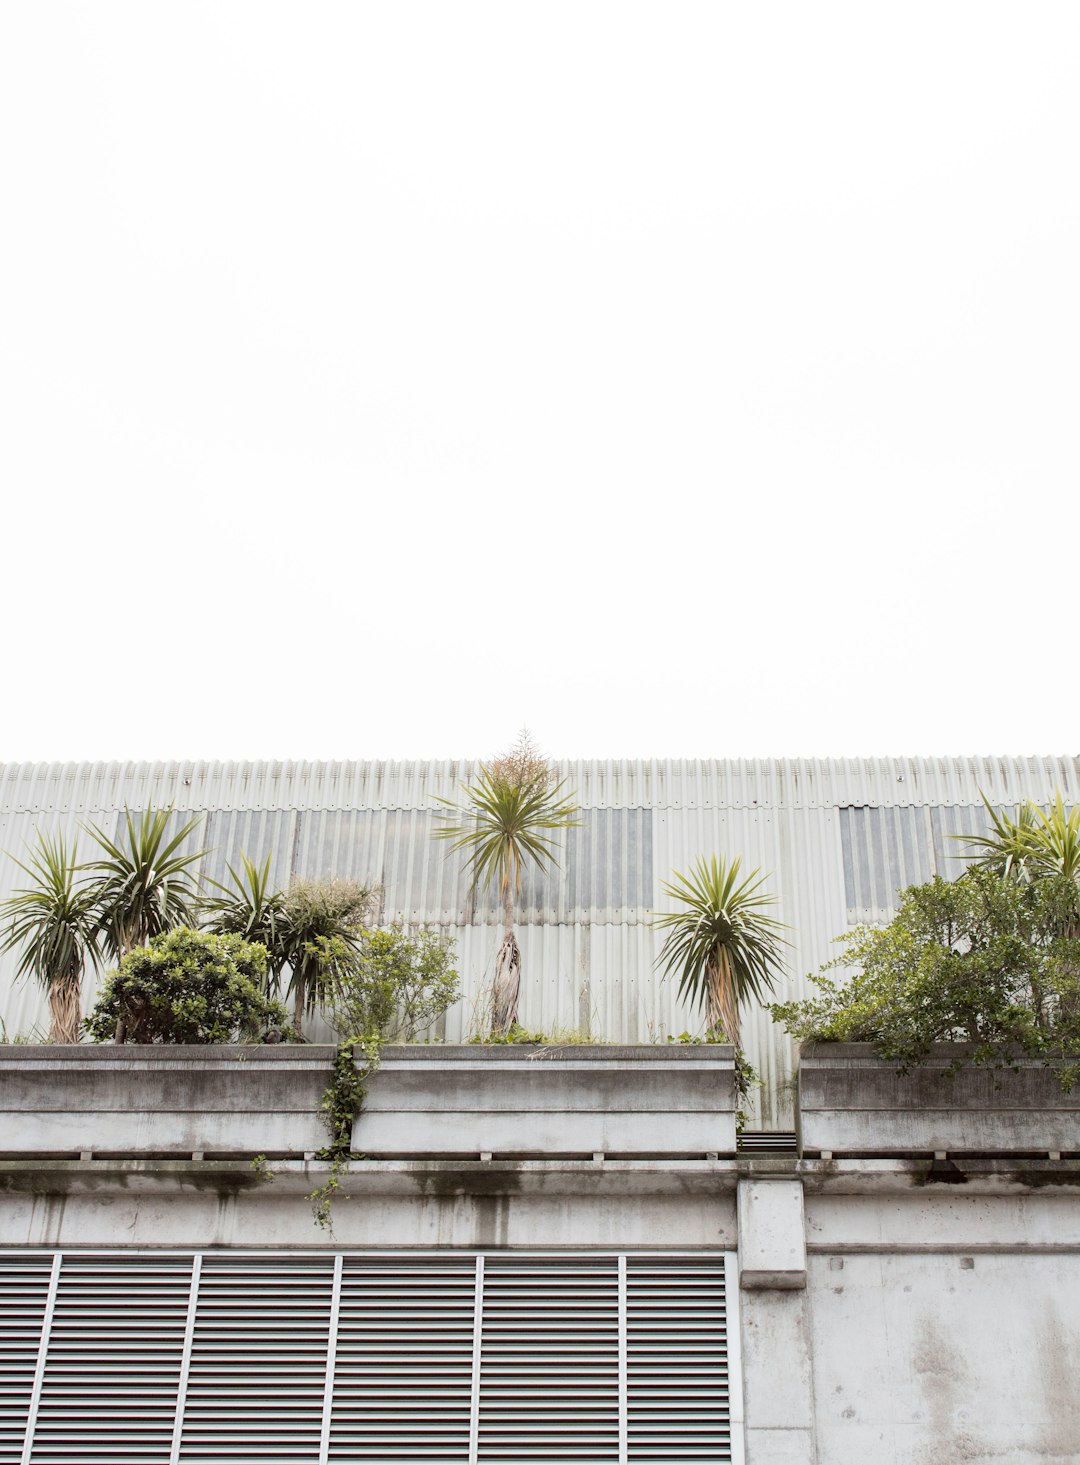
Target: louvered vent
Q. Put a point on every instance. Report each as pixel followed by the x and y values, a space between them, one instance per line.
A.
pixel 549 1359
pixel 403 1370
pixel 676 1359
pixel 231 1358
pixel 112 1367
pixel 24 1291
pixel 258 1360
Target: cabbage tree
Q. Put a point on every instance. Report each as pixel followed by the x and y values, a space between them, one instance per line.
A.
pixel 53 920
pixel 142 884
pixel 505 821
pixel 1032 845
pixel 722 944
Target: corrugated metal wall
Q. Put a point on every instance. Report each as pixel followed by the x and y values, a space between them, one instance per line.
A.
pixel 838 837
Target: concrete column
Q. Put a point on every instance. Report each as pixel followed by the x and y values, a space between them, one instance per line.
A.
pixel 777 1379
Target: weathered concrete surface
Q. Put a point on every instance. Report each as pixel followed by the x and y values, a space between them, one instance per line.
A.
pixel 431 1100
pixel 850 1101
pixel 772 1237
pixel 777 1378
pixel 571 1205
pixel 423 1101
pixel 923 1359
pixel 160 1099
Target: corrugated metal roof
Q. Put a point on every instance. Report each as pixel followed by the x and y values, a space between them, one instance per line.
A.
pixel 837 837
pixel 648 783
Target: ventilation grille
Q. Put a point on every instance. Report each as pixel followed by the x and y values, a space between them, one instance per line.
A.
pixel 676 1360
pixel 549 1359
pixel 768 1142
pixel 112 1366
pixel 403 1371
pixel 258 1360
pixel 304 1359
pixel 24 1291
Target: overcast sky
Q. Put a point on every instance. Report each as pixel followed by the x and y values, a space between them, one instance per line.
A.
pixel 676 379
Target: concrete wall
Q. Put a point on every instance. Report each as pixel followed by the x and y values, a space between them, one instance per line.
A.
pixel 850 1101
pixel 899 1310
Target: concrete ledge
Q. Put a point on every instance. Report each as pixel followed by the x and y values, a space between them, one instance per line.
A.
pixel 853 1102
pixel 424 1101
pixel 429 1100
pixel 157 1099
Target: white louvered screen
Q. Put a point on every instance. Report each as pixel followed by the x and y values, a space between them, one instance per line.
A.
pixel 676 1359
pixel 24 1292
pixel 403 1371
pixel 112 1363
pixel 230 1358
pixel 549 1359
pixel 258 1359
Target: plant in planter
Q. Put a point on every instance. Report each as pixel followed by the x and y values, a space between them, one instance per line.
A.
pixel 722 944
pixel 54 920
pixel 984 959
pixel 312 930
pixel 188 986
pixel 382 984
pixel 506 819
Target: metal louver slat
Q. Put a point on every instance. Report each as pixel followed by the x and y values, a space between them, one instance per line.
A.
pixel 549 1359
pixel 676 1359
pixel 112 1365
pixel 403 1368
pixel 258 1360
pixel 24 1291
pixel 405 1359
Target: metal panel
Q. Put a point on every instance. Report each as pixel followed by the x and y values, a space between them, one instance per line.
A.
pixel 796 783
pixel 112 1361
pixel 231 1357
pixel 24 1295
pixel 257 1375
pixel 837 837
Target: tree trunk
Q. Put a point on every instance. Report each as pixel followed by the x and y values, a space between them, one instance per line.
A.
pixel 722 1010
pixel 507 985
pixel 128 942
pixel 65 1008
pixel 299 991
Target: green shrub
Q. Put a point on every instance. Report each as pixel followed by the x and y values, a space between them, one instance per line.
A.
pixel 982 959
pixel 188 987
pixel 390 984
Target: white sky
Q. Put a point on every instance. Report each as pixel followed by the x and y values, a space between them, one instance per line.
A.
pixel 677 379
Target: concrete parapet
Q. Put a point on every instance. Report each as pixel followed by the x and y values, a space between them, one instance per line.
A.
pixel 160 1099
pixel 852 1102
pixel 550 1100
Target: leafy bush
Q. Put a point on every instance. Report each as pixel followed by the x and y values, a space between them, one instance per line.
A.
pixel 188 987
pixel 389 983
pixel 981 959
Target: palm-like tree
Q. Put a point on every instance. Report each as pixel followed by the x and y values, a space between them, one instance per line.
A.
pixel 1031 845
pixel 251 907
pixel 143 885
pixel 504 822
pixel 722 945
pixel 321 926
pixel 53 919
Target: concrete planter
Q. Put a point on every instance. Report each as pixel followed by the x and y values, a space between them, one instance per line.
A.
pixel 851 1102
pixel 156 1099
pixel 425 1100
pixel 549 1101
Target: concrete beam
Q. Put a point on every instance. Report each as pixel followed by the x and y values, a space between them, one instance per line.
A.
pixel 772 1237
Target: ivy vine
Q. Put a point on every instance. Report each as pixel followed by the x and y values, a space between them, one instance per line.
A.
pixel 341 1104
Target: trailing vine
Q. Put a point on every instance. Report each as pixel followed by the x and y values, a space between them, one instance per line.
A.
pixel 341 1104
